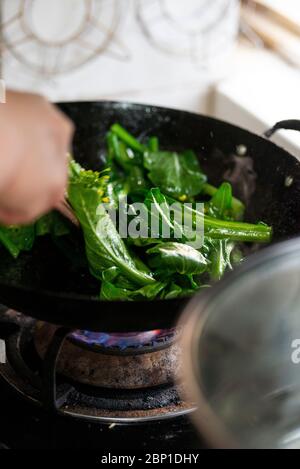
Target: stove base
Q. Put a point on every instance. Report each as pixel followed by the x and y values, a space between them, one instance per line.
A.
pixel 24 426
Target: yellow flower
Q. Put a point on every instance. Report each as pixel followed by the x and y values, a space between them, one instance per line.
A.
pixel 183 198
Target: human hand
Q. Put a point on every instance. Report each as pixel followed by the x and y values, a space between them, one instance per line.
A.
pixel 35 138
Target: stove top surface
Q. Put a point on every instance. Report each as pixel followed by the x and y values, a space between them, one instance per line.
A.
pixel 26 424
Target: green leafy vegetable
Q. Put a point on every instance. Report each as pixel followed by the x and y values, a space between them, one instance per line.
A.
pixel 115 287
pixel 21 238
pixel 173 258
pixel 219 254
pixel 136 179
pixel 104 246
pixel 52 223
pixel 213 227
pixel 127 138
pixel 178 175
pixel 111 292
pixel 220 205
pixel 124 156
pixel 153 144
pixel 159 214
pixel 177 257
pixel 17 238
pixel 237 206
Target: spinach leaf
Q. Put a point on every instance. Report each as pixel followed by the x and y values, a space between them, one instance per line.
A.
pixel 219 255
pixel 104 246
pixel 220 205
pixel 237 208
pixel 161 223
pixel 221 251
pixel 17 238
pixel 221 229
pixel 176 174
pixel 21 238
pixel 174 290
pixel 143 242
pixel 116 190
pixel 177 257
pixel 115 287
pixel 52 223
pixel 136 179
pixel 213 227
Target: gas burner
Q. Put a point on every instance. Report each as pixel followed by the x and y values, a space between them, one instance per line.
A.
pixel 54 368
pixel 127 361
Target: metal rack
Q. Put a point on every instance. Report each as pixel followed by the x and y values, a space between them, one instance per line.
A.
pixel 49 56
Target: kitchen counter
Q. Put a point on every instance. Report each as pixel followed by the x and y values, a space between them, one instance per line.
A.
pixel 261 91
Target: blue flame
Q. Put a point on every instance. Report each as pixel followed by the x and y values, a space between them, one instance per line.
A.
pixel 119 340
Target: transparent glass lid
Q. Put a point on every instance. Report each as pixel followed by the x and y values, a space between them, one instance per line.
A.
pixel 242 352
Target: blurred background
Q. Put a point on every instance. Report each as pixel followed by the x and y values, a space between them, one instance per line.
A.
pixel 236 60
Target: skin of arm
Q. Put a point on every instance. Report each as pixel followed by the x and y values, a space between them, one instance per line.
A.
pixel 35 138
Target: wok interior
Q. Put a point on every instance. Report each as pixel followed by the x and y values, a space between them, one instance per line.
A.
pixel 259 178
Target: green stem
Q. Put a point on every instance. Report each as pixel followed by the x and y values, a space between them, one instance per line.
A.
pixel 127 138
pixel 236 231
pixel 153 144
pixel 251 234
pixel 223 229
pixel 110 148
pixel 120 152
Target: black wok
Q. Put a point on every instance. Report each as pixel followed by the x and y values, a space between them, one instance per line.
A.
pixel 43 284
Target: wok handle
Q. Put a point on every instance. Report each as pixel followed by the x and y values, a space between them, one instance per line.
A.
pixel 292 124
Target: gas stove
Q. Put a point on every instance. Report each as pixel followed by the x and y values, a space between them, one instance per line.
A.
pixel 63 388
